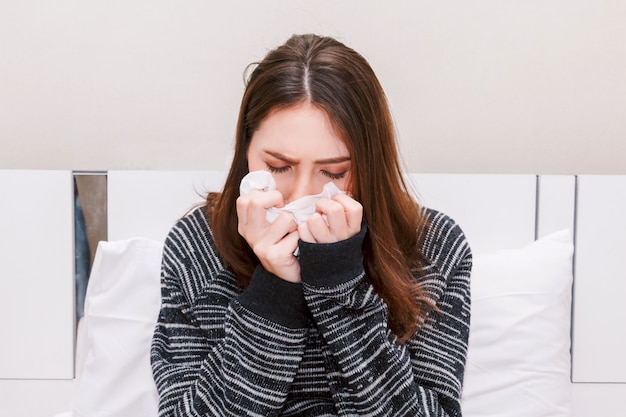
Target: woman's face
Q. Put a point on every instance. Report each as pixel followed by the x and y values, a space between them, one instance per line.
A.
pixel 301 150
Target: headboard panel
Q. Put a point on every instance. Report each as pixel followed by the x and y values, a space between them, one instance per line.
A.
pixel 556 203
pixel 599 339
pixel 495 211
pixel 36 274
pixel 148 203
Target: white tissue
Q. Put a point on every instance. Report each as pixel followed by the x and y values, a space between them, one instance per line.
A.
pixel 299 209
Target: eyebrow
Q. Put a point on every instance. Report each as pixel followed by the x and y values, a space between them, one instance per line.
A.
pixel 285 158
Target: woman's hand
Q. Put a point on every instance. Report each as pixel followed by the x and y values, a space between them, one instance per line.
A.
pixel 343 214
pixel 273 243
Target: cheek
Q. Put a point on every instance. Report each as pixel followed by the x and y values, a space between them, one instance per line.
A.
pixel 344 183
pixel 283 185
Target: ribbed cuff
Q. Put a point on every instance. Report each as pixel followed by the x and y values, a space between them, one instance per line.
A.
pixel 275 299
pixel 330 264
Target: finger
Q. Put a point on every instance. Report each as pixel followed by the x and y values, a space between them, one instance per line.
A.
pixel 289 244
pixel 283 225
pixel 290 271
pixel 277 252
pixel 241 206
pixel 335 217
pixel 305 233
pixel 319 230
pixel 262 240
pixel 267 245
pixel 279 258
pixel 353 211
pixel 252 206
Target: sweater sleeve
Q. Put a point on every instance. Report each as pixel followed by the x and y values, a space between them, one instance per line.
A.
pixel 422 377
pixel 215 352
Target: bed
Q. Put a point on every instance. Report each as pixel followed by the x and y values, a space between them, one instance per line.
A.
pixel 541 245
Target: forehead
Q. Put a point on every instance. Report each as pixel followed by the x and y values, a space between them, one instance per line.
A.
pixel 297 130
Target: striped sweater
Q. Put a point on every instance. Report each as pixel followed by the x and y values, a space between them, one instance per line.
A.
pixel 320 348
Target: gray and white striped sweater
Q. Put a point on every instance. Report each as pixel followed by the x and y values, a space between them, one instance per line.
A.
pixel 320 348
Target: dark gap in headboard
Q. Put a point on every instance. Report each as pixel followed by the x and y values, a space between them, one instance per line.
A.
pixel 90 226
pixel 537 191
pixel 574 239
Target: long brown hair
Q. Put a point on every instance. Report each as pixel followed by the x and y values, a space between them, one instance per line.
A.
pixel 328 74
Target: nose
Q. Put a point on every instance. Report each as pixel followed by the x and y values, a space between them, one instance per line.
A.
pixel 302 186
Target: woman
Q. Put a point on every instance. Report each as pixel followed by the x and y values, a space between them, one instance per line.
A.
pixel 370 318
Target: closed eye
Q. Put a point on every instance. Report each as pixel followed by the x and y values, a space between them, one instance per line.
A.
pixel 278 170
pixel 335 176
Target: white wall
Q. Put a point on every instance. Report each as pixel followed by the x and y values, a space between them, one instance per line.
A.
pixel 508 86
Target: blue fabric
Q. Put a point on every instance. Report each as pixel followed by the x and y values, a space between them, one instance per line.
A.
pixel 82 255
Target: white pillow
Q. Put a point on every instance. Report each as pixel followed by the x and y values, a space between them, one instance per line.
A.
pixel 114 377
pixel 519 348
pixel 518 358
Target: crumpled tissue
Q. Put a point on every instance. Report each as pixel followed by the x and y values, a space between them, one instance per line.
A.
pixel 299 209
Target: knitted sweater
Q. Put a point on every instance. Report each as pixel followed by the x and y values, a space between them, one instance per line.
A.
pixel 319 348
